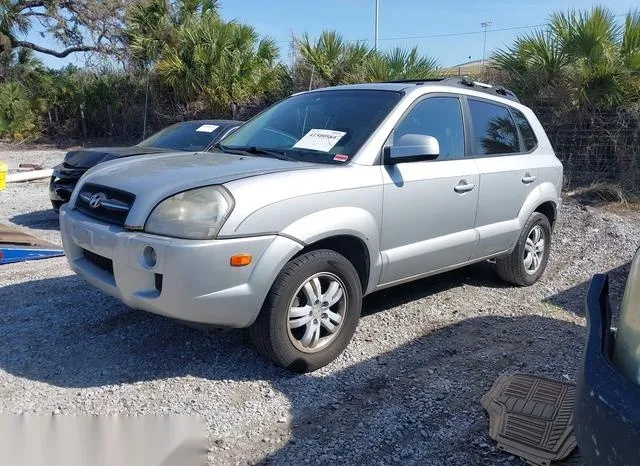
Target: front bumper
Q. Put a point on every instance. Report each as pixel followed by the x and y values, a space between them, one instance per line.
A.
pixel 607 409
pixel 192 280
pixel 63 181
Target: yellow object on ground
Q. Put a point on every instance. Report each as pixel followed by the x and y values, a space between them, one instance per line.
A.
pixel 3 175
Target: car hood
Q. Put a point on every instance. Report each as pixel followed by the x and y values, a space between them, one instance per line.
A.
pixel 154 178
pixel 87 158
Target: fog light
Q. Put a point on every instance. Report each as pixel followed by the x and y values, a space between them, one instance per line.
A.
pixel 149 257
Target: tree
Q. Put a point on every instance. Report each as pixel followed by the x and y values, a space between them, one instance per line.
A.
pixel 400 63
pixel 200 56
pixel 17 119
pixel 225 61
pixel 334 61
pixel 153 25
pixel 584 55
pixel 20 65
pixel 75 25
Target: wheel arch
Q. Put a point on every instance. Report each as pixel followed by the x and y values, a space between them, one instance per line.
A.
pixel 351 247
pixel 549 210
pixel 350 231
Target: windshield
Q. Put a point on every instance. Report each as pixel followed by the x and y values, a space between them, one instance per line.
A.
pixel 325 127
pixel 187 136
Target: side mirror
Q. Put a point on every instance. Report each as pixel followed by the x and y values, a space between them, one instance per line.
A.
pixel 412 148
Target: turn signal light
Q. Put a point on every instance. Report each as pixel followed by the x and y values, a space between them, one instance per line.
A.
pixel 240 260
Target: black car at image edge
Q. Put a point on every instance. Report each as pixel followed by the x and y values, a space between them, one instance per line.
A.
pixel 607 408
pixel 187 136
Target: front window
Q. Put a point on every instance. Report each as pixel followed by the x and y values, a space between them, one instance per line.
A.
pixel 438 117
pixel 323 127
pixel 188 136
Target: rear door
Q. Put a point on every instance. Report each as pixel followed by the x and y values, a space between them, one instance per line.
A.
pixel 502 144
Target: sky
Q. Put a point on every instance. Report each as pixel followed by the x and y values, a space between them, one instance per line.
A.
pixel 457 23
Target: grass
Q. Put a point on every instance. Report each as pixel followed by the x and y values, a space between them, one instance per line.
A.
pixel 598 193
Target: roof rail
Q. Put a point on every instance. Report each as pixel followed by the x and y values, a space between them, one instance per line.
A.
pixel 416 81
pixel 465 81
pixel 483 87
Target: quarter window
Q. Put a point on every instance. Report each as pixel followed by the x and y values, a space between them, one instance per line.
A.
pixel 528 136
pixel 439 117
pixel 493 128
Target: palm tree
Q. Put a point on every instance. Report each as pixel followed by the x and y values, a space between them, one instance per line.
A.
pixel 153 25
pixel 586 55
pixel 17 119
pixel 331 60
pixel 20 64
pixel 225 61
pixel 400 63
pixel 334 61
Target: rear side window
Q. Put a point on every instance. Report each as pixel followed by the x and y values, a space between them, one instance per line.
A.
pixel 528 136
pixel 494 130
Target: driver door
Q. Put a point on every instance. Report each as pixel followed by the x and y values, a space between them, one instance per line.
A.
pixel 429 207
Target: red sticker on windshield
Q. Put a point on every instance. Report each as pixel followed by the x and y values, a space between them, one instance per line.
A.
pixel 341 158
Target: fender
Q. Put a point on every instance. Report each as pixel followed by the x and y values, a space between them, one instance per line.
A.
pixel 341 221
pixel 545 192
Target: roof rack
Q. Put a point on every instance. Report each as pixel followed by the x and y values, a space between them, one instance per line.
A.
pixel 465 81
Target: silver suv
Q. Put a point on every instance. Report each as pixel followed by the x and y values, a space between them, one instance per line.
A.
pixel 323 198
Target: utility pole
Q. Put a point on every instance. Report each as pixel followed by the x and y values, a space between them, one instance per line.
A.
pixel 146 104
pixel 377 10
pixel 485 25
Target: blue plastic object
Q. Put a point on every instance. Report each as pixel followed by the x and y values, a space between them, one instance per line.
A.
pixel 16 254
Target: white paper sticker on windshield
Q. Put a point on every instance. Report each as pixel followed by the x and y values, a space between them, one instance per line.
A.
pixel 207 128
pixel 319 139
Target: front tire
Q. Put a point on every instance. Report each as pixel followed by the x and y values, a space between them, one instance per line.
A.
pixel 311 312
pixel 528 261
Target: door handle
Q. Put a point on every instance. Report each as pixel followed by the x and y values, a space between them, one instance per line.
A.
pixel 464 187
pixel 528 179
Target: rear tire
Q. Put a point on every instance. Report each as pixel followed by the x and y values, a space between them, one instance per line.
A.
pixel 311 312
pixel 528 261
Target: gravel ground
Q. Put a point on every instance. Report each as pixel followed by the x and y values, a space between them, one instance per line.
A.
pixel 406 391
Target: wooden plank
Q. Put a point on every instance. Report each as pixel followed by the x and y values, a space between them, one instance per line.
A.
pixel 9 235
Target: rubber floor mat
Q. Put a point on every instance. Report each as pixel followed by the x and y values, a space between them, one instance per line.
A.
pixel 531 417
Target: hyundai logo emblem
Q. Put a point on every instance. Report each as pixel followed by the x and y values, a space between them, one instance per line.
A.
pixel 96 200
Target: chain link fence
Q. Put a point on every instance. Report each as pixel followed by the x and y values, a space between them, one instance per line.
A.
pixel 595 146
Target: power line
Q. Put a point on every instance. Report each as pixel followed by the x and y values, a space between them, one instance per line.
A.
pixel 452 34
pixel 449 34
pixel 455 34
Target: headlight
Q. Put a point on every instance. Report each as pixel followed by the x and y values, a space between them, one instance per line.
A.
pixel 195 214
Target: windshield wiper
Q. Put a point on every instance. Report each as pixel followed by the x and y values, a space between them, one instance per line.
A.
pixel 227 150
pixel 254 150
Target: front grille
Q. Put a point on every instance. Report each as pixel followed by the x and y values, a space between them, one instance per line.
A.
pixel 101 262
pixel 113 207
pixel 63 186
